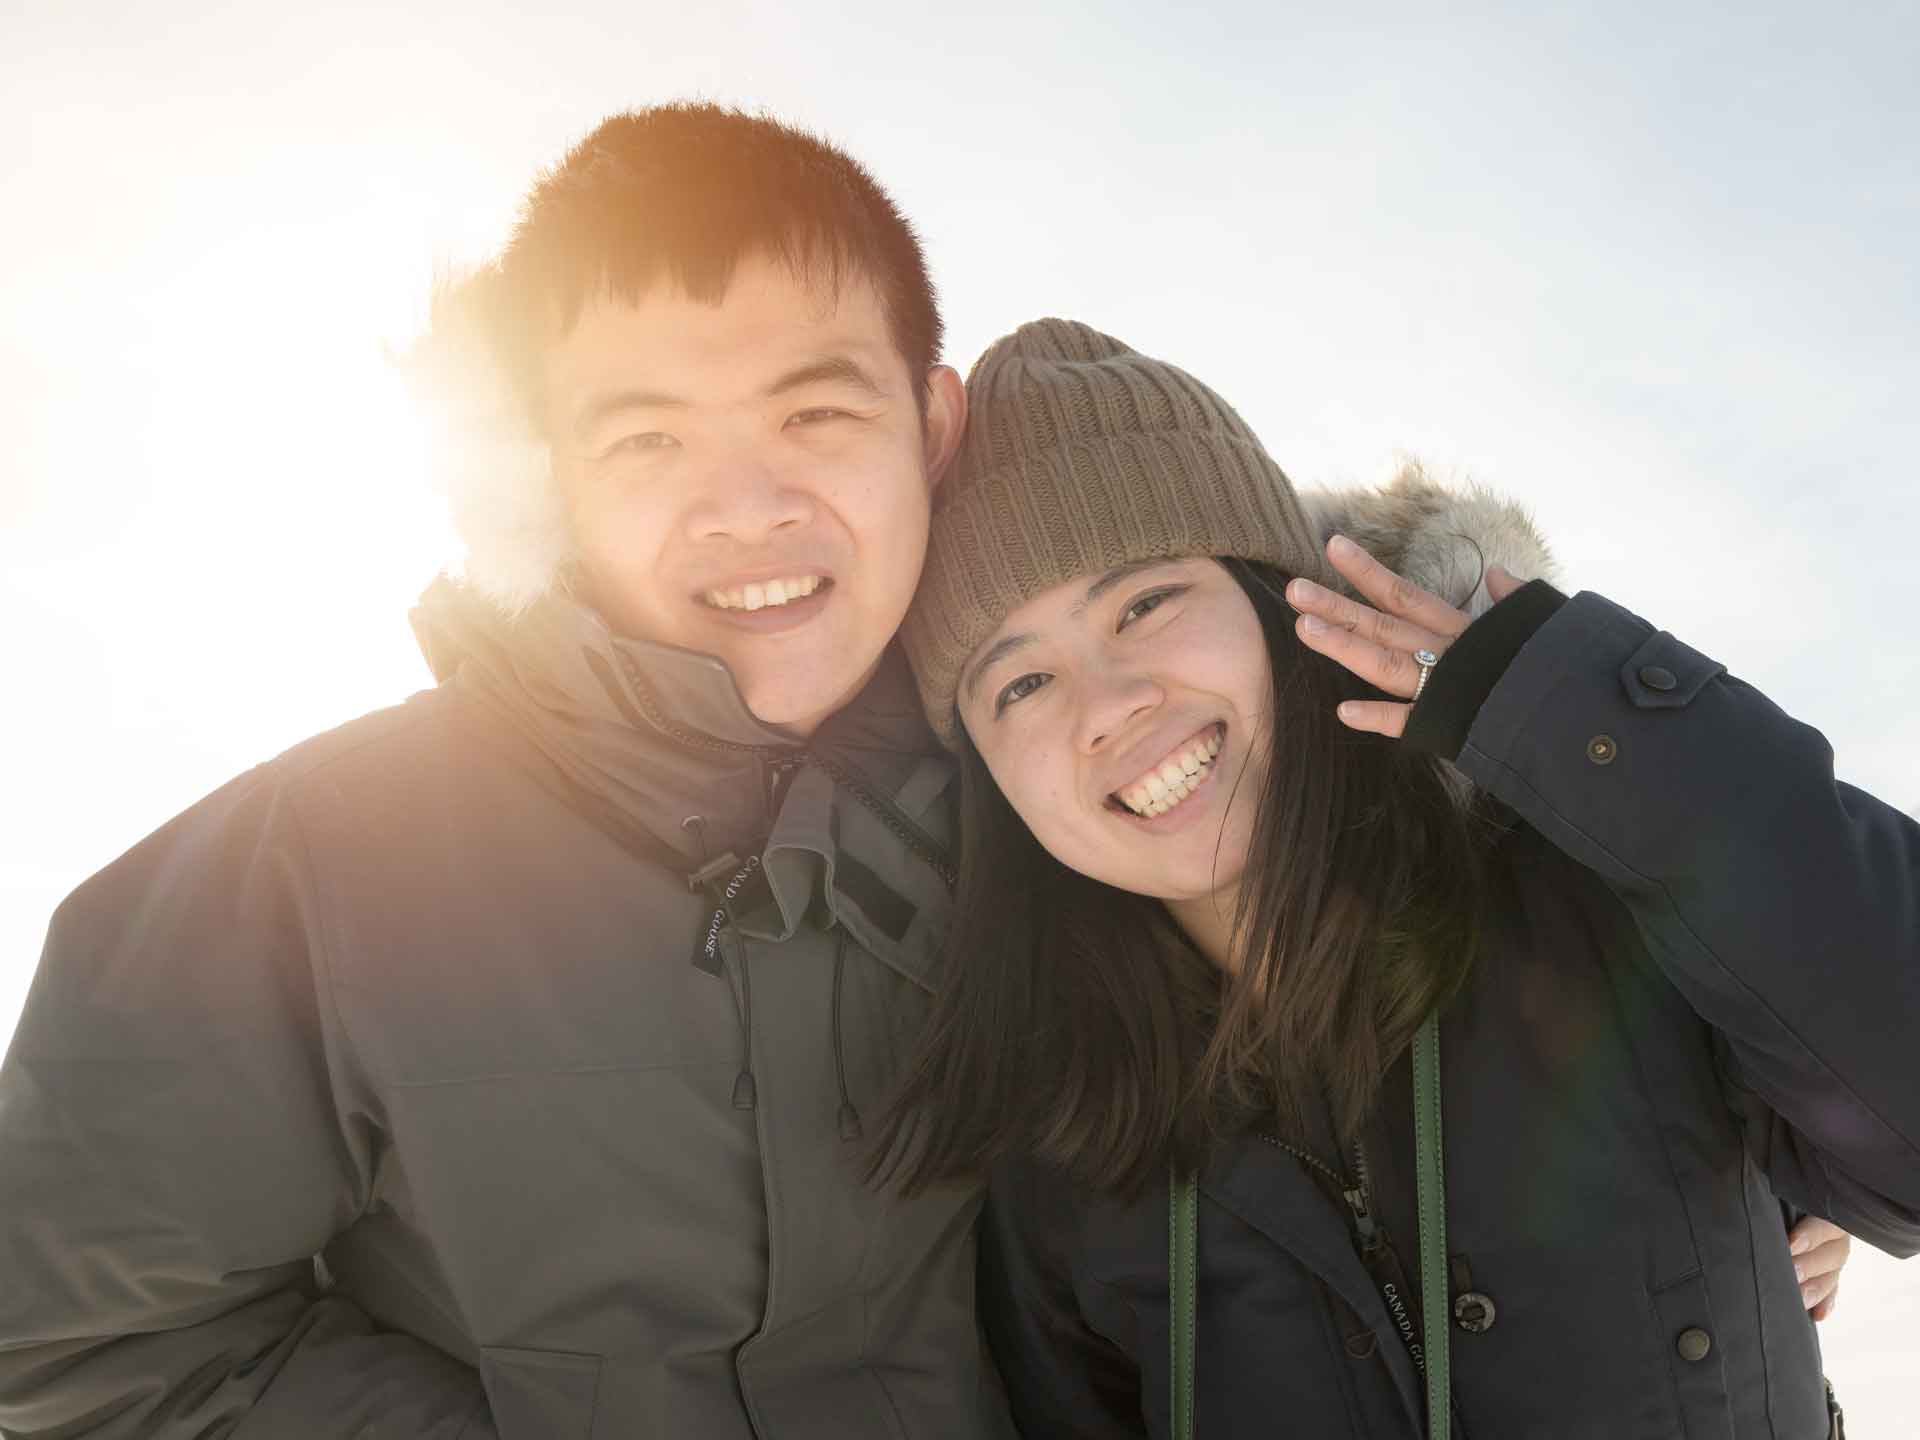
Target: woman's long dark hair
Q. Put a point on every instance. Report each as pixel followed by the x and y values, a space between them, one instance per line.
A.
pixel 1077 1022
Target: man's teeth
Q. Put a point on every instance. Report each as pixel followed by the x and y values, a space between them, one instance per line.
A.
pixel 758 597
pixel 1159 790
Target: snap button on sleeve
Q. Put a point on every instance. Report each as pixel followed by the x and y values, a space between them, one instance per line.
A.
pixel 1693 1344
pixel 1601 750
pixel 1664 674
pixel 1474 1313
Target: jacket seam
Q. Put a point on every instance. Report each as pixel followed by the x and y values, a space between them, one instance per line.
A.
pixel 1759 1304
pixel 326 994
pixel 1682 921
pixel 872 1372
pixel 492 1076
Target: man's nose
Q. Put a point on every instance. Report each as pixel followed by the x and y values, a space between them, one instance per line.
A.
pixel 1113 702
pixel 747 501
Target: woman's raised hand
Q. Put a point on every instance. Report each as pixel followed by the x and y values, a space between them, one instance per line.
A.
pixel 1377 642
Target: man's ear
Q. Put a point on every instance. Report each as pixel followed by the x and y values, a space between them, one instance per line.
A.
pixel 946 420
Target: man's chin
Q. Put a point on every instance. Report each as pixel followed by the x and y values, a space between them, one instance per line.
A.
pixel 801 704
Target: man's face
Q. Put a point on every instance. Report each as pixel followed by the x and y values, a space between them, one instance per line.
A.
pixel 752 479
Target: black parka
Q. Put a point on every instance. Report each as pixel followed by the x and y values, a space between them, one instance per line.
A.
pixel 1698 998
pixel 430 998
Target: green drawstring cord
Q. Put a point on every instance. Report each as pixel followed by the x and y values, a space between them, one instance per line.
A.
pixel 1436 1303
pixel 1182 1245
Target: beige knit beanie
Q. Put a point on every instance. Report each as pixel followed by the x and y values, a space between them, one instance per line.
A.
pixel 1081 454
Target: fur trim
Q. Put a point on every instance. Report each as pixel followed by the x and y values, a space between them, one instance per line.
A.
pixel 1443 540
pixel 496 472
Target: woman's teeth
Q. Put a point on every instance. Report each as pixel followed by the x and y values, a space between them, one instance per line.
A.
pixel 758 597
pixel 1165 786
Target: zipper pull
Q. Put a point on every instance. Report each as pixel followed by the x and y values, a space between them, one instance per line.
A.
pixel 1363 1221
pixel 776 771
pixel 1358 1200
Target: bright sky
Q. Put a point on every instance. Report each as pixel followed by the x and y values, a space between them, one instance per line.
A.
pixel 1654 275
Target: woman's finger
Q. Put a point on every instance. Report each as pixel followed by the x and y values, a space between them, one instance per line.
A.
pixel 1821 1292
pixel 1501 583
pixel 1393 593
pixel 1377 717
pixel 1387 631
pixel 1824 1259
pixel 1392 670
pixel 1813 1231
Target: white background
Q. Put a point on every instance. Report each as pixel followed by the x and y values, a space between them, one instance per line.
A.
pixel 1648 268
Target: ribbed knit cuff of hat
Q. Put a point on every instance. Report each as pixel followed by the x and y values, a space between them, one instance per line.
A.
pixel 1473 665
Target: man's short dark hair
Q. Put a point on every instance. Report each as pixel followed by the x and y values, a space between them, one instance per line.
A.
pixel 682 193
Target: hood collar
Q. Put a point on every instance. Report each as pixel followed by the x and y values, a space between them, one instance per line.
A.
pixel 570 660
pixel 660 732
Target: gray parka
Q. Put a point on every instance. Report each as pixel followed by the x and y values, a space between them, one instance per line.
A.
pixel 430 998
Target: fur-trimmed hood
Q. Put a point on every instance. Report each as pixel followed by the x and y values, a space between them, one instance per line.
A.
pixel 494 468
pixel 505 501
pixel 1442 539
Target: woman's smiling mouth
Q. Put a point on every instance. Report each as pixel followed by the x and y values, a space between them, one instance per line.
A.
pixel 1164 786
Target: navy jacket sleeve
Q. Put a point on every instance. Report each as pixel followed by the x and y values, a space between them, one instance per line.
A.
pixel 1785 905
pixel 180 1134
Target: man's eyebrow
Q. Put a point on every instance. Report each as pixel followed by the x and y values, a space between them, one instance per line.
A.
pixel 828 369
pixel 613 402
pixel 1002 648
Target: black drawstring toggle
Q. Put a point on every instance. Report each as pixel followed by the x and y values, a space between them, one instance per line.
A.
pixel 744 1094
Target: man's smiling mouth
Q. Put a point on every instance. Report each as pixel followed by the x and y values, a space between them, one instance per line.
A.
pixel 767 593
pixel 1174 778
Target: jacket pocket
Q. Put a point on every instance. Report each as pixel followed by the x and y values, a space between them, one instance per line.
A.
pixel 540 1394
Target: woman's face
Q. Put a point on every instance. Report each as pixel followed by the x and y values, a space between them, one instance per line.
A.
pixel 1122 715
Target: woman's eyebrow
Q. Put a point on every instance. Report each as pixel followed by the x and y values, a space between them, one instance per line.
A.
pixel 1002 648
pixel 1007 644
pixel 1114 576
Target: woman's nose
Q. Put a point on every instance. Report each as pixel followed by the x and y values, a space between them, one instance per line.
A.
pixel 1113 704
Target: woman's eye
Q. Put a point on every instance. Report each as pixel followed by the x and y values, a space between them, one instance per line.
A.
pixel 1017 690
pixel 1147 604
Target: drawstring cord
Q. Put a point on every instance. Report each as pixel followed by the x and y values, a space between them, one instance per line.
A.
pixel 849 1117
pixel 745 1093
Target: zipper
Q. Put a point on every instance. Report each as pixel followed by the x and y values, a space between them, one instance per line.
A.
pixel 1376 1251
pixel 1356 1191
pixel 776 771
pixel 1360 1199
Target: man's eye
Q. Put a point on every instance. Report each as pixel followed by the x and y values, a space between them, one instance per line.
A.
pixel 1016 690
pixel 818 415
pixel 1147 604
pixel 638 444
